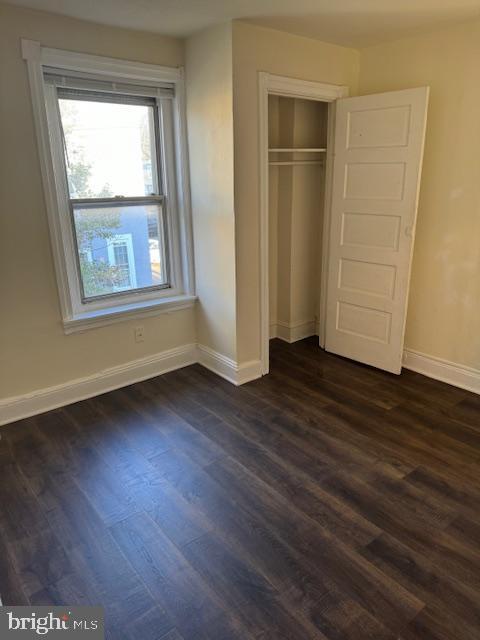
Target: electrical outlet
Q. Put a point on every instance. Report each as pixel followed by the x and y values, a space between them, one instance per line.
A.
pixel 139 334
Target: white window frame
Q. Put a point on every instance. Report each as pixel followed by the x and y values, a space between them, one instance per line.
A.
pixel 78 315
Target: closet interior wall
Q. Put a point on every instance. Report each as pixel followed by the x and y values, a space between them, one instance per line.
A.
pixel 296 203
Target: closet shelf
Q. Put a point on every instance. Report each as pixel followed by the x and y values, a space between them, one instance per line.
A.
pixel 293 162
pixel 305 150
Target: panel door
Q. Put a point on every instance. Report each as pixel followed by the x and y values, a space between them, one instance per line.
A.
pixel 379 142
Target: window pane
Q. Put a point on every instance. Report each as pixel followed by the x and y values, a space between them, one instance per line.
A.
pixel 120 248
pixel 109 148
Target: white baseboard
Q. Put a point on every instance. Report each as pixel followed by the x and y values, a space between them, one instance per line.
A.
pixel 228 368
pixel 293 331
pixel 450 372
pixel 29 404
pixel 19 407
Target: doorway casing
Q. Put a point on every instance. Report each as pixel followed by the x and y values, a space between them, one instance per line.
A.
pixel 269 84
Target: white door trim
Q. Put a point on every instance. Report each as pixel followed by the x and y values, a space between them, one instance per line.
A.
pixel 307 90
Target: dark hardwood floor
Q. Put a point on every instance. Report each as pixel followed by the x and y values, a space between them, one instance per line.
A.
pixel 327 500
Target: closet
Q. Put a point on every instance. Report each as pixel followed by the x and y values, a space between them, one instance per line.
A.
pixel 354 296
pixel 297 141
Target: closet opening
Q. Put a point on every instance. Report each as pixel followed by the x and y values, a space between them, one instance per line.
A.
pixel 296 133
pixel 297 153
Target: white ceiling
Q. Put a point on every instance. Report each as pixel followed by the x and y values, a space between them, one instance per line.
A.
pixel 353 23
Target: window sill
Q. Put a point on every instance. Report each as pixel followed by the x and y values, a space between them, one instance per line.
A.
pixel 103 317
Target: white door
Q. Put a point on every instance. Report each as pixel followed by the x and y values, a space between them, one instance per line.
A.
pixel 379 143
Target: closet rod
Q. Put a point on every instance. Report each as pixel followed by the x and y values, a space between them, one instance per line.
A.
pixel 294 162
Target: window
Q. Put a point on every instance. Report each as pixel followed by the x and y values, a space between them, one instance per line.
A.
pixel 112 160
pixel 120 257
pixel 115 180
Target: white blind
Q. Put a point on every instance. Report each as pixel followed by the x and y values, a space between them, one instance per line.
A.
pixel 76 85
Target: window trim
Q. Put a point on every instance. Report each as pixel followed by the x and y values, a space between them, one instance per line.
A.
pixel 182 292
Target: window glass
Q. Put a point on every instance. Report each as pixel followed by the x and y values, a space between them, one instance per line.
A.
pixel 120 248
pixel 110 148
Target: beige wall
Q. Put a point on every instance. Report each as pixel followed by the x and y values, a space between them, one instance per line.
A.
pixel 34 352
pixel 310 130
pixel 222 69
pixel 258 49
pixel 210 137
pixel 444 307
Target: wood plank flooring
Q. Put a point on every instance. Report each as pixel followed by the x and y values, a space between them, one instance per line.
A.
pixel 327 500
